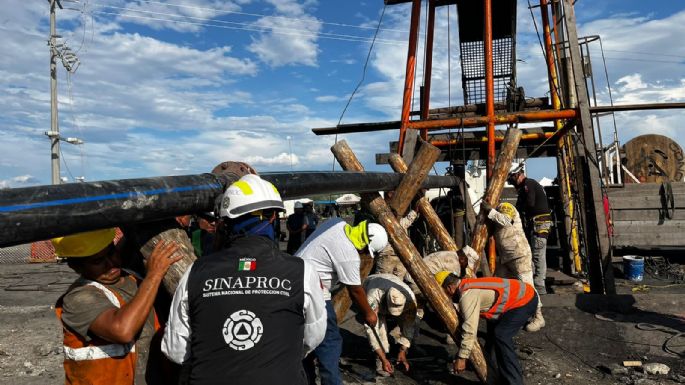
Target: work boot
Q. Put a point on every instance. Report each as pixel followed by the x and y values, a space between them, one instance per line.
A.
pixel 537 322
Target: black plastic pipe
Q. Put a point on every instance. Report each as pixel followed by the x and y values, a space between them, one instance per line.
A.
pixel 42 212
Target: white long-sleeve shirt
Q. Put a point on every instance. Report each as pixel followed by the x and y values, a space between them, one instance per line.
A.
pixel 176 341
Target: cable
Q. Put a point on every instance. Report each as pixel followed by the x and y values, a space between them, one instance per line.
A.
pixel 645 53
pixel 667 347
pixel 258 15
pixel 366 64
pixel 75 121
pixel 322 35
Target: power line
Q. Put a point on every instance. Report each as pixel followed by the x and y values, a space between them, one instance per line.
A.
pixel 216 10
pixel 645 53
pixel 276 30
pixel 644 60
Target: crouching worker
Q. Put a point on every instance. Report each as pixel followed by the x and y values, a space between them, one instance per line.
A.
pixel 107 314
pixel 506 305
pixel 390 298
pixel 248 313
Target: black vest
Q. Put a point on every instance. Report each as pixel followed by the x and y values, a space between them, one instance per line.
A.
pixel 246 315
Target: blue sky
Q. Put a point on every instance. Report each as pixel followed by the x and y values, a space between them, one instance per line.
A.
pixel 176 87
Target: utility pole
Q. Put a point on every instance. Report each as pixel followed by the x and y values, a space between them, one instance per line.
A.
pixel 70 63
pixel 54 123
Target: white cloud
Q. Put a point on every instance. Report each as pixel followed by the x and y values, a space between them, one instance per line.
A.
pixel 181 15
pixel 287 40
pixel 328 98
pixel 282 159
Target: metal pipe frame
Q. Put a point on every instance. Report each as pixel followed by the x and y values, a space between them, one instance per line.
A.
pixel 410 72
pixel 508 118
pixel 489 110
pixel 567 197
pixel 428 67
pixel 483 140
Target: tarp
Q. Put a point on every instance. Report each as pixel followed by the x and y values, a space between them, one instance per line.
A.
pixel 348 199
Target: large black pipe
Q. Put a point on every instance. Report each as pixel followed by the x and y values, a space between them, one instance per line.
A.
pixel 43 212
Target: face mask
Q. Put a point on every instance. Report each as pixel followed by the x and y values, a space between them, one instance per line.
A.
pixel 255 226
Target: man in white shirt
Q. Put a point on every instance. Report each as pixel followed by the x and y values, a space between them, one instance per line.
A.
pixel 334 249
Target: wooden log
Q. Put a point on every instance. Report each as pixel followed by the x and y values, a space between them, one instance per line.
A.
pixel 411 258
pixel 435 225
pixel 146 235
pixel 492 194
pixel 413 178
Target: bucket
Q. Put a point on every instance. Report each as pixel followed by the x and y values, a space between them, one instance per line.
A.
pixel 633 268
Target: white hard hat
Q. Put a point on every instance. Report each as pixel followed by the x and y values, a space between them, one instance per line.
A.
pixel 250 193
pixel 298 205
pixel 378 238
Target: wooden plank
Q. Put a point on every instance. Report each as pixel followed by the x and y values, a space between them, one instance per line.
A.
pixel 643 215
pixel 649 234
pixel 644 189
pixel 645 202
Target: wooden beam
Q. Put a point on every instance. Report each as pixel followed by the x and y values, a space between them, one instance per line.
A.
pixel 411 258
pixel 146 235
pixel 492 194
pixel 413 178
pixel 426 210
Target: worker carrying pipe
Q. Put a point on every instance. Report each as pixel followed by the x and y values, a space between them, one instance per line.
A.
pixel 505 304
pixel 106 314
pixel 514 258
pixel 247 312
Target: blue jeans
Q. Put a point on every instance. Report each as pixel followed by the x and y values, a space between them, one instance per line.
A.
pixel 500 341
pixel 327 353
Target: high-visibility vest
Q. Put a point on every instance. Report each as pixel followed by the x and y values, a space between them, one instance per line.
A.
pixel 511 293
pixel 98 361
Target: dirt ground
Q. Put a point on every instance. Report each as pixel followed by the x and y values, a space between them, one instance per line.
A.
pixel 586 339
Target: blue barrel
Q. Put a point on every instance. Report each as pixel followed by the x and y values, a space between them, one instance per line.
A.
pixel 633 268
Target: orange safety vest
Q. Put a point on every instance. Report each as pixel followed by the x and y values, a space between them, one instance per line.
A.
pixel 511 293
pixel 98 361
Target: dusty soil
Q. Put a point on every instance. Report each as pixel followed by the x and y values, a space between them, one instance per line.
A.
pixel 586 337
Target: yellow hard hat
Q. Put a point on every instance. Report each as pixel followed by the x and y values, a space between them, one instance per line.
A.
pixel 507 209
pixel 83 244
pixel 440 276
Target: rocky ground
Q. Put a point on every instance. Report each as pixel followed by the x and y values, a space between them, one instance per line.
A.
pixel 586 339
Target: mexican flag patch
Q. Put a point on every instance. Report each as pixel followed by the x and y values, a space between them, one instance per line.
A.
pixel 247 264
